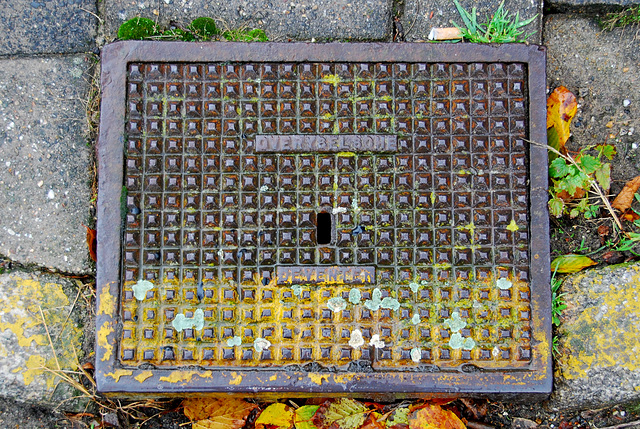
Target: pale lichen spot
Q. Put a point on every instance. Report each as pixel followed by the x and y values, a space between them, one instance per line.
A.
pixel 261 344
pixel 297 290
pixel 456 341
pixel 373 304
pixel 234 341
pixel 414 287
pixel 503 284
pixel 415 319
pixel 355 296
pixel 338 210
pixel 468 343
pixel 336 304
pixel 141 288
pixel 264 188
pixel 182 322
pixel 455 322
pixel 390 303
pixel 416 354
pixel 356 340
pixel 376 342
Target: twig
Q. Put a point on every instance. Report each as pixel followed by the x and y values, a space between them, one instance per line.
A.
pixel 414 19
pixel 622 425
pixel 593 183
pixel 46 328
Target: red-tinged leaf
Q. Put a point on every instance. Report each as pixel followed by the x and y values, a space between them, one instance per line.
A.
pixel 434 417
pixel 217 413
pixel 92 242
pixel 374 405
pixel 276 416
pixel 625 197
pixel 630 215
pixel 561 108
pixel 303 417
pixel 341 413
pixel 571 263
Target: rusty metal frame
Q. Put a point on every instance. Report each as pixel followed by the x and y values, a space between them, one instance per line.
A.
pixel 534 383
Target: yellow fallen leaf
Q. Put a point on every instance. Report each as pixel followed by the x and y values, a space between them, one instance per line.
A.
pixel 434 417
pixel 571 263
pixel 561 108
pixel 278 415
pixel 217 413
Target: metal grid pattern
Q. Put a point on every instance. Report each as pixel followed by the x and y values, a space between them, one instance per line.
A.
pixel 442 219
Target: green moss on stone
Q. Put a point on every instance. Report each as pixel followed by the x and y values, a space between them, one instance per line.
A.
pixel 137 29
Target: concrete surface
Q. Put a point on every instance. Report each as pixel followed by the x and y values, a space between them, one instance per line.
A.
pixel 603 70
pixel 44 159
pixel 38 314
pixel 281 20
pixel 420 16
pixel 47 26
pixel 599 338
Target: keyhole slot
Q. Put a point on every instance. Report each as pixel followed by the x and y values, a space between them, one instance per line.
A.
pixel 323 228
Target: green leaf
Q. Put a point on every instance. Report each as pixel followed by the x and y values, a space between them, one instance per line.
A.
pixel 304 415
pixel 589 163
pixel 571 263
pixel 607 150
pixel 558 168
pixel 556 206
pixel 603 176
pixel 553 141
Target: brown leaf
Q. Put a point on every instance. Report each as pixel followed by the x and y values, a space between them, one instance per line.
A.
pixel 217 413
pixel 561 108
pixel 371 422
pixel 603 232
pixel 564 195
pixel 434 417
pixel 612 257
pixel 92 242
pixel 625 197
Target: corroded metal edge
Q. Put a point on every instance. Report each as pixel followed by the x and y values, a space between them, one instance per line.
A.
pixel 116 381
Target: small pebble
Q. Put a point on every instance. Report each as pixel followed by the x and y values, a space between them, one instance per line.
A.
pixel 626 103
pixel 51 195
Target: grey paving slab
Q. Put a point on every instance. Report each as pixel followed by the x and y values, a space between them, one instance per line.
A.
pixel 588 4
pixel 420 16
pixel 603 70
pixel 44 159
pixel 31 305
pixel 599 339
pixel 281 20
pixel 51 26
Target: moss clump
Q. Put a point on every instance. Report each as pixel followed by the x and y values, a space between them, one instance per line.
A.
pixel 204 28
pixel 137 29
pixel 253 35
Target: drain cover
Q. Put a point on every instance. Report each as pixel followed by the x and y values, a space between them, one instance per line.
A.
pixel 362 219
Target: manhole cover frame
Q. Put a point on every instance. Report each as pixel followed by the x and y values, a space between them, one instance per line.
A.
pixel 115 380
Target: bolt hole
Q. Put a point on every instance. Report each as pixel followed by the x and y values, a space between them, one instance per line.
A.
pixel 323 228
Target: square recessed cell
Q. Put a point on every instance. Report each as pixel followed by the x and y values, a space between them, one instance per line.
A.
pixel 323 219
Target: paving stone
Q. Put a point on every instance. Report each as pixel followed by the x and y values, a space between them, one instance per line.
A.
pixel 603 70
pixel 25 348
pixel 590 5
pixel 44 178
pixel 51 26
pixel 599 339
pixel 421 16
pixel 297 20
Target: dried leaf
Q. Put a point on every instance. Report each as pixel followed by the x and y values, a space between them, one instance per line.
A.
pixel 603 232
pixel 372 421
pixel 561 108
pixel 341 413
pixel 276 416
pixel 217 413
pixel 625 197
pixel 92 242
pixel 303 417
pixel 612 257
pixel 434 417
pixel 630 215
pixel 571 263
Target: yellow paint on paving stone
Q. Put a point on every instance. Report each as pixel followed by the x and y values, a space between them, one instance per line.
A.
pixel 605 334
pixel 107 302
pixel 24 303
pixel 103 341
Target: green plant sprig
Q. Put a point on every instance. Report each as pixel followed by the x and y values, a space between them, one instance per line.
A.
pixel 500 29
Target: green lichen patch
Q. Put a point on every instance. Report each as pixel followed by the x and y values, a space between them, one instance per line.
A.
pixel 355 296
pixel 503 284
pixel 141 288
pixel 234 341
pixel 182 322
pixel 455 322
pixel 337 304
pixel 390 303
pixel 261 344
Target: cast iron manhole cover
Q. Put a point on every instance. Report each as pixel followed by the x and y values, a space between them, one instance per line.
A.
pixel 300 218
